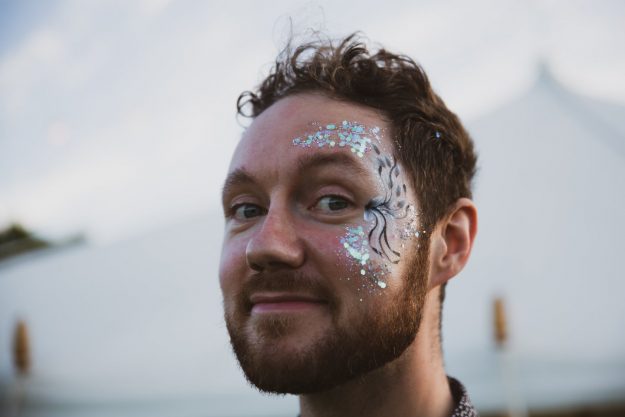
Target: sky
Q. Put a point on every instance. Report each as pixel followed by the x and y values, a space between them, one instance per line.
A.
pixel 117 117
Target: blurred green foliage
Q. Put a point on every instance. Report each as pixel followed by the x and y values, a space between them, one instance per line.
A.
pixel 16 240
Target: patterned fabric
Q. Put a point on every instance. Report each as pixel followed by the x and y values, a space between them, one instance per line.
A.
pixel 462 403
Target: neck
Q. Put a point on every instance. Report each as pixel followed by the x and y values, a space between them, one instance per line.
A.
pixel 414 384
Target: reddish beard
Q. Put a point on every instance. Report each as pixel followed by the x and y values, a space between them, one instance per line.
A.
pixel 372 339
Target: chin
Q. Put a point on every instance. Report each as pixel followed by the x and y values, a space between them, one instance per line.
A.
pixel 322 349
pixel 284 356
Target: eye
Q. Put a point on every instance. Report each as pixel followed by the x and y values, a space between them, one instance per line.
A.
pixel 332 204
pixel 246 211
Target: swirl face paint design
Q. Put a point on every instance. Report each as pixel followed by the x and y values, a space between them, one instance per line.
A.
pixel 357 247
pixel 392 204
pixel 358 242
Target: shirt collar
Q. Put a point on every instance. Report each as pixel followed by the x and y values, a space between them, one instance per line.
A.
pixel 462 403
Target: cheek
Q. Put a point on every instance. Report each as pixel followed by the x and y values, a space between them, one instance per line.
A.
pixel 362 262
pixel 404 233
pixel 232 265
pixel 376 250
pixel 334 253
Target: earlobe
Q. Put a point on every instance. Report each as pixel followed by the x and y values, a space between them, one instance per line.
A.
pixel 452 241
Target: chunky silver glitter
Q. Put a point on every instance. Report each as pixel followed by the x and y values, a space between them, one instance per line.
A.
pixel 410 231
pixel 389 217
pixel 356 245
pixel 352 135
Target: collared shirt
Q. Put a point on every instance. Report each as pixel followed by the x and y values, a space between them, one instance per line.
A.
pixel 462 403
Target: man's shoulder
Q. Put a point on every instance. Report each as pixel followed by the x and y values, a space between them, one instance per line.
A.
pixel 462 403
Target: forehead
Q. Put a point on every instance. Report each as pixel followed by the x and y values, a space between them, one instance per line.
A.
pixel 270 137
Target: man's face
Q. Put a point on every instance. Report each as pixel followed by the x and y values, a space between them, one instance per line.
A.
pixel 321 270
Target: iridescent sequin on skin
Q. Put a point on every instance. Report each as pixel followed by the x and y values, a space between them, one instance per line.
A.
pixel 357 242
pixel 392 204
pixel 356 245
pixel 353 135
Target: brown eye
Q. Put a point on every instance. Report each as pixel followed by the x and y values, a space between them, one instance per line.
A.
pixel 332 203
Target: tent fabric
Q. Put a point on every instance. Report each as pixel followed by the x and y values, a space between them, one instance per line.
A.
pixel 138 325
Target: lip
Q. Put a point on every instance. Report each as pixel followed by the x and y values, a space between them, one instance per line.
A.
pixel 284 302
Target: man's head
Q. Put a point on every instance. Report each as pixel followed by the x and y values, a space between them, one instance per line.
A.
pixel 428 139
pixel 349 165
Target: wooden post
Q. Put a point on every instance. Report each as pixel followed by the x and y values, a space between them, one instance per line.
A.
pixel 22 364
pixel 516 404
pixel 21 348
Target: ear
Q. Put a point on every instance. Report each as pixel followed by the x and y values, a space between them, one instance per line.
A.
pixel 452 241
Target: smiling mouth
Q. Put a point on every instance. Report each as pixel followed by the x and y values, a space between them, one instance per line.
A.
pixel 284 303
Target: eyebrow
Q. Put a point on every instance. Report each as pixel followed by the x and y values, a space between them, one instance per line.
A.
pixel 236 178
pixel 240 177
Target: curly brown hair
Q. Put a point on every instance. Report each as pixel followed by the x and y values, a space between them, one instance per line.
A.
pixel 430 142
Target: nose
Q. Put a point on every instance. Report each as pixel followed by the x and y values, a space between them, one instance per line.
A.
pixel 276 244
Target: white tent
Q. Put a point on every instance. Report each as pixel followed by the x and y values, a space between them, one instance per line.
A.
pixel 136 328
pixel 550 192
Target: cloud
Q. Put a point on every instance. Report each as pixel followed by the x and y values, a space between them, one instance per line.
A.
pixel 24 70
pixel 134 103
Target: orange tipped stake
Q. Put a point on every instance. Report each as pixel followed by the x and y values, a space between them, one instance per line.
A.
pixel 21 348
pixel 501 328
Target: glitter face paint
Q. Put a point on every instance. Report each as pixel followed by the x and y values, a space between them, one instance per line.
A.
pixel 357 247
pixel 346 134
pixel 391 205
pixel 358 242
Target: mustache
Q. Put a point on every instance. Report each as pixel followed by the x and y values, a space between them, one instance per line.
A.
pixel 285 281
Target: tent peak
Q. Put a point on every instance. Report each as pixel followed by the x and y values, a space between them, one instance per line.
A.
pixel 545 76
